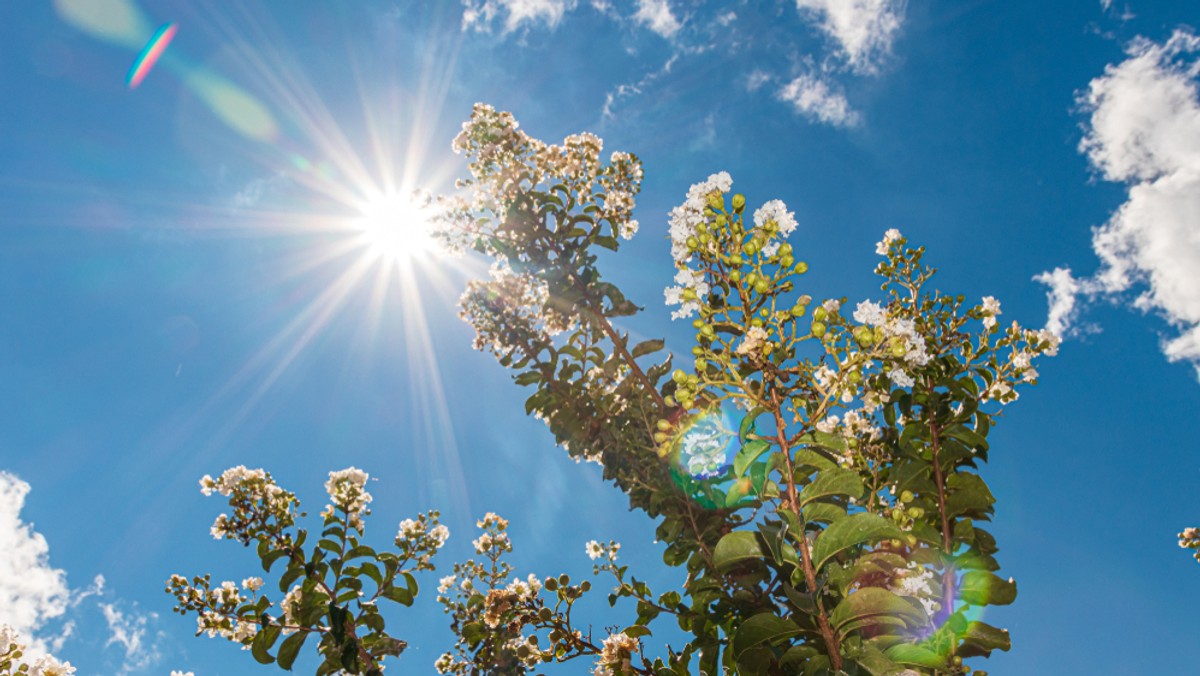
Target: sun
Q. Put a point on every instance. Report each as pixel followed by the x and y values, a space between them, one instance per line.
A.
pixel 394 227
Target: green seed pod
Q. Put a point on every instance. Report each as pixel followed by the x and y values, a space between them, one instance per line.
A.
pixel 701 364
pixel 748 248
pixel 855 376
pixel 898 350
pixel 785 249
pixel 735 259
pixel 879 334
pixel 696 323
pixel 721 220
pixel 708 331
pixel 915 512
pixel 751 278
pixel 704 238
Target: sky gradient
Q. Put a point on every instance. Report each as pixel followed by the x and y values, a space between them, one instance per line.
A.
pixel 185 286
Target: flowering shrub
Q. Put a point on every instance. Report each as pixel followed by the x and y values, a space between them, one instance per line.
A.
pixel 13 659
pixel 816 468
pixel 330 591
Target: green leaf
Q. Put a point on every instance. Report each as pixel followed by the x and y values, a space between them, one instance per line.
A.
pixel 259 647
pixel 832 482
pixel 968 495
pixel 271 557
pixel 647 347
pixel 748 454
pixel 762 628
pixel 528 378
pixel 291 648
pixel 908 654
pixel 981 588
pixel 399 595
pixel 736 547
pixel 747 426
pixel 980 639
pixel 873 605
pixel 636 631
pixel 853 530
pixel 473 633
pixel 969 437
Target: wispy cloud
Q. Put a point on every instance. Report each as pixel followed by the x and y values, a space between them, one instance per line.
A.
pixel 657 16
pixel 32 592
pixel 624 91
pixel 819 100
pixel 479 15
pixel 863 29
pixel 1144 131
pixel 130 630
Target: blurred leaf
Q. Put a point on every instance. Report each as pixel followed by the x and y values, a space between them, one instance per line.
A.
pixel 762 628
pixel 748 455
pixel 647 347
pixel 834 481
pixel 736 547
pixel 981 588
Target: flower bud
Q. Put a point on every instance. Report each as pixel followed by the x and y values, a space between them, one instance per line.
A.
pixel 906 496
pixel 818 329
pixel 734 275
pixel 801 268
pixel 786 261
pixel 662 425
pixel 820 314
pixel 716 200
pixel 739 202
pixel 678 375
pixel 762 286
pixel 692 242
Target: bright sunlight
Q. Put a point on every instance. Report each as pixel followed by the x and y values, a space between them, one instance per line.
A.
pixel 395 227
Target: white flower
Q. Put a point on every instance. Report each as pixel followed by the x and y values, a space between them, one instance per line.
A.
pixel 445 584
pixel 832 305
pixel 829 424
pixel 900 379
pixel 616 655
pixel 594 550
pixel 753 342
pixel 870 313
pixel 686 217
pixel 687 279
pixel 776 211
pixel 991 308
pixel 252 584
pixel 885 244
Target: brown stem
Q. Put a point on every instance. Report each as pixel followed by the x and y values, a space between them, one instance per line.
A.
pixel 810 573
pixel 947 543
pixel 608 330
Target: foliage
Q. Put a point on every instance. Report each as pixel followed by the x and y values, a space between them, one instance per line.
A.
pixel 816 471
pixel 846 534
pixel 331 589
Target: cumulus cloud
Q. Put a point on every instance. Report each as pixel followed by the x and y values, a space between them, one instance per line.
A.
pixel 32 592
pixel 656 15
pixel 819 100
pixel 1144 131
pixel 863 29
pixel 479 15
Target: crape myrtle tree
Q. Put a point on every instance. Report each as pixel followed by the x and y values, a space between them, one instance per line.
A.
pixel 814 468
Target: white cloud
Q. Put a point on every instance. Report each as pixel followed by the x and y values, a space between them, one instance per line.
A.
pixel 1144 131
pixel 634 88
pixel 32 592
pixel 818 100
pixel 478 15
pixel 757 79
pixel 657 16
pixel 129 630
pixel 863 29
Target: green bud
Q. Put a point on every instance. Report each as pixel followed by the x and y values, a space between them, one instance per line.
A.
pixel 748 248
pixel 721 220
pixel 735 259
pixel 704 238
pixel 660 437
pixel 701 364
pixel 586 585
pixel 907 496
pixel 698 350
pixel 689 294
pixel 785 249
pixel 879 334
pixel 762 286
pixel 739 202
pixel 756 322
pixel 820 314
pixel 786 261
pixel 678 375
pixel 692 242
pixel 798 310
pixel 662 425
pixel 818 329
pixel 734 275
pixel 708 331
pixel 915 512
pixel 696 323
pixel 801 268
pixel 898 350
pixel 716 201
pixel 751 278
pixel 550 584
pixel 855 376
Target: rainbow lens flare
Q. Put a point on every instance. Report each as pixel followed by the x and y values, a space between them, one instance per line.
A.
pixel 150 54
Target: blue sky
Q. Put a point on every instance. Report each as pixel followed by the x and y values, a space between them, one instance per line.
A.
pixel 183 288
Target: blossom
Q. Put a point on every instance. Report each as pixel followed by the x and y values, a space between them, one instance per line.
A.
pixel 775 211
pixel 445 584
pixel 870 313
pixel 616 655
pixel 884 245
pixel 753 342
pixel 594 550
pixel 687 280
pixel 252 583
pixel 900 379
pixel 991 308
pixel 832 305
pixel 686 217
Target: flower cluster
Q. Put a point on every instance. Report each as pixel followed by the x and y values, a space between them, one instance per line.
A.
pixel 494 539
pixel 218 609
pixel 1190 539
pixel 419 539
pixel 346 488
pixel 13 661
pixel 688 219
pixel 261 508
pixel 616 657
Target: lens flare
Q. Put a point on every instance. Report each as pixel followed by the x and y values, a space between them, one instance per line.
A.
pixel 395 227
pixel 150 55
